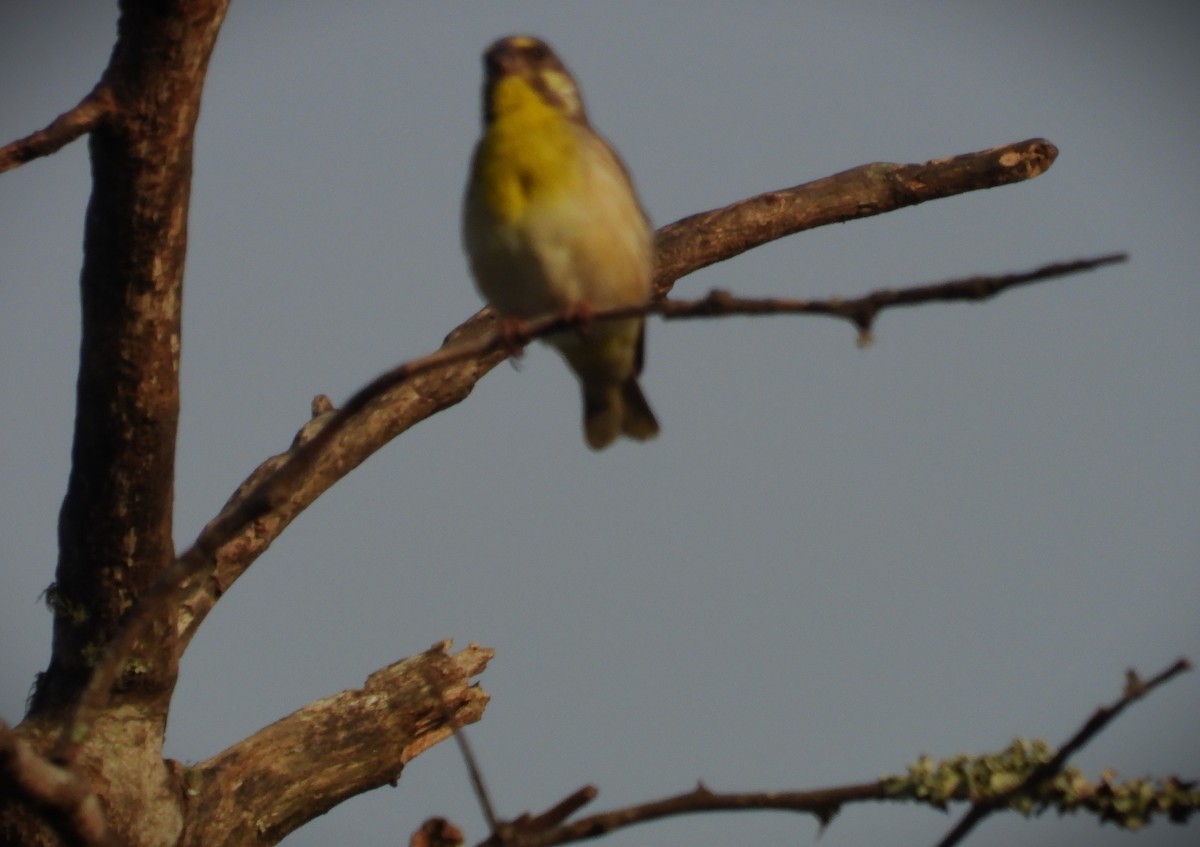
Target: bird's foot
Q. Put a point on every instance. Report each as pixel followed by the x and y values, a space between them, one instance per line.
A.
pixel 582 314
pixel 512 335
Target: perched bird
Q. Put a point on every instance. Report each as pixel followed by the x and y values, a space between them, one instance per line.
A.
pixel 551 225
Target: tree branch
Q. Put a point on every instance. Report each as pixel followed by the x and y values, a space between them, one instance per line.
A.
pixel 859 311
pixel 862 311
pixel 709 237
pixel 115 523
pixel 390 405
pixel 1135 689
pixel 990 782
pixel 83 118
pixel 272 487
pixel 528 830
pixel 305 764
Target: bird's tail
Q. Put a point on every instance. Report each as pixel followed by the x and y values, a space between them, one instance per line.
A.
pixel 613 410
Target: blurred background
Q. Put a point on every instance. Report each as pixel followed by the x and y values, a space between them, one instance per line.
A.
pixel 832 561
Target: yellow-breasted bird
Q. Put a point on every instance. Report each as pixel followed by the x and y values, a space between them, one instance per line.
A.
pixel 551 225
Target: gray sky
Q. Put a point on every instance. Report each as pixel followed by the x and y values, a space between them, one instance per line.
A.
pixel 832 561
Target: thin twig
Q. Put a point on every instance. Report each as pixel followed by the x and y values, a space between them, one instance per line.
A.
pixel 860 311
pixel 477 783
pixel 530 831
pixel 70 125
pixel 1135 689
pixel 543 831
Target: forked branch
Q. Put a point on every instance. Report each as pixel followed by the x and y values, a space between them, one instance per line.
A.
pixel 1135 689
pixel 401 398
pixel 1022 777
pixel 408 394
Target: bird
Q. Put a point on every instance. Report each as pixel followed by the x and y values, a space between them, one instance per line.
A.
pixel 552 225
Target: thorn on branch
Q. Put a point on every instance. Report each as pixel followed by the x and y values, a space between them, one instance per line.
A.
pixel 528 828
pixel 566 807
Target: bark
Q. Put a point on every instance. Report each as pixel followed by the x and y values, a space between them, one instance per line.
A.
pixel 115 523
pixel 261 789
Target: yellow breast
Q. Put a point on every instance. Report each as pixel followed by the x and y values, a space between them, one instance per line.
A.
pixel 528 154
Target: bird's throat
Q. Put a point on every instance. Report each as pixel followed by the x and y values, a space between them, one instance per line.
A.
pixel 528 152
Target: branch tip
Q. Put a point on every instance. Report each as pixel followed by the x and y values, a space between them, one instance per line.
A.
pixel 81 119
pixel 1134 689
